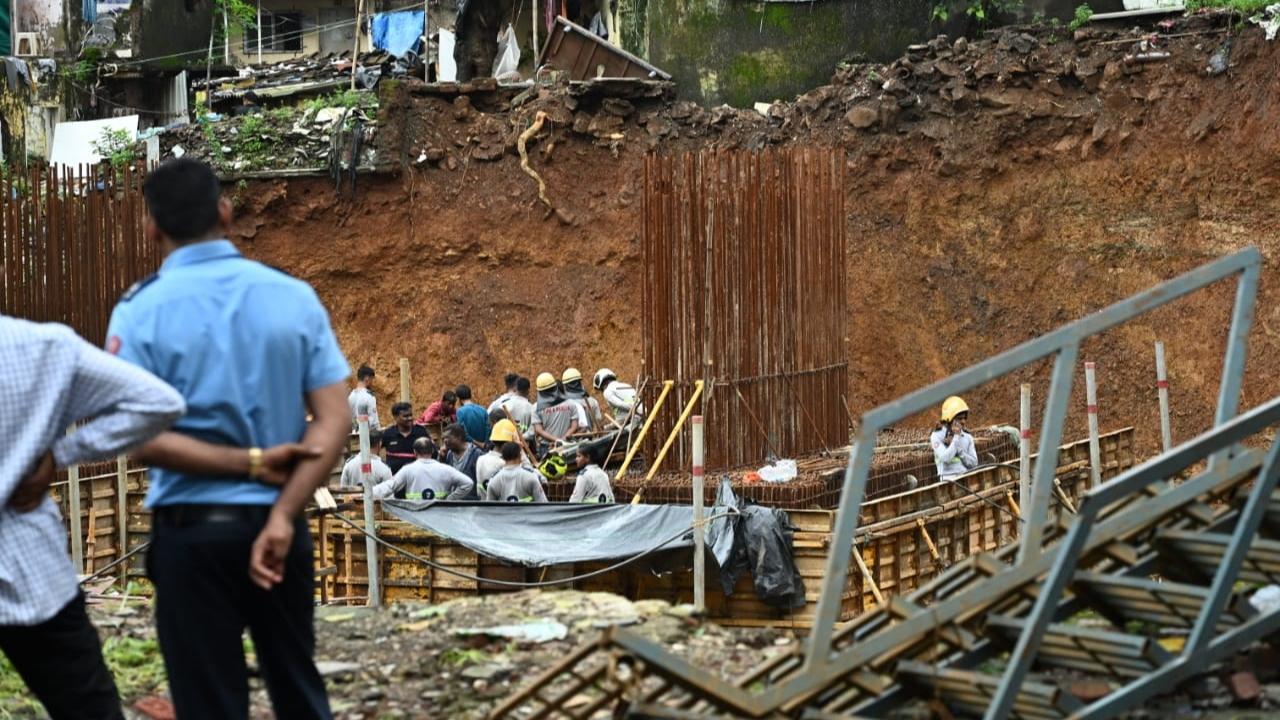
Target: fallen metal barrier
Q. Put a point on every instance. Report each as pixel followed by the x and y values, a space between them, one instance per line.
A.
pixel 1202 534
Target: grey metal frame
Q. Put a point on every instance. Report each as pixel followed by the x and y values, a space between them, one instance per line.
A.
pixel 822 666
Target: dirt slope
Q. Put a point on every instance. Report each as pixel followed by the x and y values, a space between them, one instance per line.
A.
pixel 995 191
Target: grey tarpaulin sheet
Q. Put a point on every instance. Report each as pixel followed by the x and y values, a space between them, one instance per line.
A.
pixel 539 534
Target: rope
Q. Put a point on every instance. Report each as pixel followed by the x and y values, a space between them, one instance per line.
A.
pixel 114 563
pixel 514 584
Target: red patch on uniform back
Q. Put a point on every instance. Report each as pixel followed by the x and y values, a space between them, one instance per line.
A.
pixel 113 344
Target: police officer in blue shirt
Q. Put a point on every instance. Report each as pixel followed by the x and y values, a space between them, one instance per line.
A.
pixel 251 350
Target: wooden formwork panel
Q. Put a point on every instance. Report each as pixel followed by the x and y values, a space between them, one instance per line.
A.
pixel 894 539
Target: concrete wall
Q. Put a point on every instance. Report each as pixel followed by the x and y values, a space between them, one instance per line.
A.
pixel 46 18
pixel 315 13
pixel 728 51
pixel 163 28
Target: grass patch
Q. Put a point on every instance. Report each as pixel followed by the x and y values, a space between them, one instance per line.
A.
pixel 456 657
pixel 15 700
pixel 1244 7
pixel 136 665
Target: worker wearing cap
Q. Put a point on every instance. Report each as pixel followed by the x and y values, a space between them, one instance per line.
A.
pixel 426 478
pixel 619 396
pixel 953 449
pixel 571 380
pixel 555 418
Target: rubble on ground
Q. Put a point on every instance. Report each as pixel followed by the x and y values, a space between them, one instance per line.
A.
pixel 309 137
pixel 1082 91
pixel 456 659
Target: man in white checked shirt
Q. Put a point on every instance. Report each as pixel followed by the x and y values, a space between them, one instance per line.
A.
pixel 49 379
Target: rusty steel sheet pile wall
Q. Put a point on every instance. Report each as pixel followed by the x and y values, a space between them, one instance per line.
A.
pixel 744 289
pixel 71 243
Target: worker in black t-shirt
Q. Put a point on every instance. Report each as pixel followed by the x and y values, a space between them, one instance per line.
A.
pixel 398 439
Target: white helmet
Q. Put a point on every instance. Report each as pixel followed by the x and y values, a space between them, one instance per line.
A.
pixel 602 376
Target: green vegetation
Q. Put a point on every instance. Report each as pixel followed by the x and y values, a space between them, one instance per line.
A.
pixel 217 157
pixel 456 656
pixel 343 99
pixel 1244 7
pixel 983 11
pixel 136 665
pixel 15 699
pixel 1083 13
pixel 256 137
pixel 117 147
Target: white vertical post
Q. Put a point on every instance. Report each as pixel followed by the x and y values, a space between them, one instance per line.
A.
pixel 1162 387
pixel 699 533
pixel 1095 452
pixel 426 42
pixel 1024 450
pixel 370 546
pixel 73 513
pixel 122 513
pixel 534 20
pixel 259 32
pixel 226 38
pixel 355 50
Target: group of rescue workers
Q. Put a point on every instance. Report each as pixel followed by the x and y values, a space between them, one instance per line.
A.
pixel 505 452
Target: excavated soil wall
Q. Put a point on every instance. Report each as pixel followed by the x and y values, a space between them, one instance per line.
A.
pixel 995 190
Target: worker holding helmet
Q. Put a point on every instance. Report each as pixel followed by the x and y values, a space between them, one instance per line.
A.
pixel 953 448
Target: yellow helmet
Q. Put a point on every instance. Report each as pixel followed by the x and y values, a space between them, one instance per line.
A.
pixel 570 374
pixel 953 406
pixel 546 381
pixel 504 431
pixel 553 467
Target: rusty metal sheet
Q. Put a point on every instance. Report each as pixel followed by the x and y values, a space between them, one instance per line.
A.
pixel 583 55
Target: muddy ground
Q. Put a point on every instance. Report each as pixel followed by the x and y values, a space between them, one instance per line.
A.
pixel 995 188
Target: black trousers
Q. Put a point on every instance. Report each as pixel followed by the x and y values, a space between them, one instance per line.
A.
pixel 60 660
pixel 205 600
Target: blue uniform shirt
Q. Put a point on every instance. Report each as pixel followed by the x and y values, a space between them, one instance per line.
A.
pixel 476 421
pixel 243 343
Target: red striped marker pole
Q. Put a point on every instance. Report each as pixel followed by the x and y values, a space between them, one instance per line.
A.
pixel 370 545
pixel 1162 388
pixel 699 533
pixel 1024 451
pixel 1095 452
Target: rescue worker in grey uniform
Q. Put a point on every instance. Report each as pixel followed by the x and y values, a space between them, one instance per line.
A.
pixel 514 483
pixel 426 478
pixel 592 485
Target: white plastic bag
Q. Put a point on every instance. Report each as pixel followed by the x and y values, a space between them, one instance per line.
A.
pixel 779 472
pixel 1266 600
pixel 507 63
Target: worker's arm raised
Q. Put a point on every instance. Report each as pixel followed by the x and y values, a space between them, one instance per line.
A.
pixel 943 451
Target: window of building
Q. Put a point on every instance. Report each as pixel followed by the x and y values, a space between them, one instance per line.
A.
pixel 281 32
